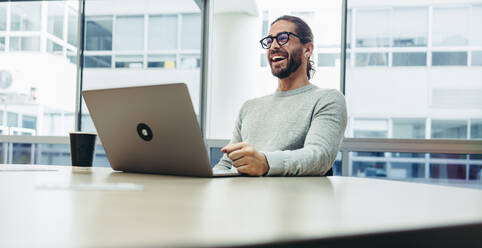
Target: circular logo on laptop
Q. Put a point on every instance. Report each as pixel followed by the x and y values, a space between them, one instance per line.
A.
pixel 144 132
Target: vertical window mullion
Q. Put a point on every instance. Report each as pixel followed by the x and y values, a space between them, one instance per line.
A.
pixel 179 37
pixel 146 39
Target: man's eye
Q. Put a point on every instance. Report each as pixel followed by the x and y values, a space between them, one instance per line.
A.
pixel 283 38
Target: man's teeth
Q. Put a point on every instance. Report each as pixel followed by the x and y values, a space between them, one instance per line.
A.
pixel 277 58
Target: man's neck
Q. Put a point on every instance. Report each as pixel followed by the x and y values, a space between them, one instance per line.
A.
pixel 295 80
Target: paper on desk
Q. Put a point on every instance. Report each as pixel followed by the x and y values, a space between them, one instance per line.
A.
pixel 93 186
pixel 25 169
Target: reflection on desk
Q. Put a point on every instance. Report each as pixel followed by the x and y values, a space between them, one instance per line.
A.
pixel 183 211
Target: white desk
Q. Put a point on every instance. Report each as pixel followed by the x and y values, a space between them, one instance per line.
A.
pixel 39 209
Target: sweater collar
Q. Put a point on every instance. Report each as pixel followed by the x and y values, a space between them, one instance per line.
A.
pixel 296 91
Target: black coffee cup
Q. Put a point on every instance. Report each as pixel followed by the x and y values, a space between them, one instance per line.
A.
pixel 82 147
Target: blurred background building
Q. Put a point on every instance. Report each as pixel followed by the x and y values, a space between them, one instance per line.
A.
pixel 413 69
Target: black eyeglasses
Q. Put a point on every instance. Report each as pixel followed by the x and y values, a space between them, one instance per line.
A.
pixel 282 38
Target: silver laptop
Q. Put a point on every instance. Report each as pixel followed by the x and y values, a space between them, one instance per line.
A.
pixel 151 129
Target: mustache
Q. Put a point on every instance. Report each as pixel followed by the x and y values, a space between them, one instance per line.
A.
pixel 278 52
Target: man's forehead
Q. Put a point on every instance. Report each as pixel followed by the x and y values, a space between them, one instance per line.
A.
pixel 282 26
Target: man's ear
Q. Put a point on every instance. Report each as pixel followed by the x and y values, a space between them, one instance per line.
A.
pixel 308 50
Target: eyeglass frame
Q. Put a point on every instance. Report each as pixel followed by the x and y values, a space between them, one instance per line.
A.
pixel 277 41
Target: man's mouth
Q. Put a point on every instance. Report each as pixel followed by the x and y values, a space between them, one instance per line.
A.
pixel 277 59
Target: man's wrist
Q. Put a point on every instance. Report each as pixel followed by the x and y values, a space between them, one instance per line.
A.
pixel 266 164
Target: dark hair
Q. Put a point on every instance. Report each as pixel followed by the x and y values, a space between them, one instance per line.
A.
pixel 304 32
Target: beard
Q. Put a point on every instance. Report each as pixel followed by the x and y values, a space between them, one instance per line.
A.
pixel 293 63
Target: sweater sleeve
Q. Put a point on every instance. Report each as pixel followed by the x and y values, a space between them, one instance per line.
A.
pixel 225 163
pixel 321 145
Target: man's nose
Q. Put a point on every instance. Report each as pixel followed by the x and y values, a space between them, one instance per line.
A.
pixel 275 44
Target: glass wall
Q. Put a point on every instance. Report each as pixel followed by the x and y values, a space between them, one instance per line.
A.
pixel 141 43
pixel 37 78
pixel 239 67
pixel 410 74
pixel 413 69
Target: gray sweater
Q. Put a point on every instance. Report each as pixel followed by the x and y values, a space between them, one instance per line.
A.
pixel 299 131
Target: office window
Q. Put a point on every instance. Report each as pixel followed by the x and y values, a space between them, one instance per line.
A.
pixel 476 129
pixel 476 19
pixel 22 153
pixel 3 16
pixel 371 59
pixel 72 28
pixel 249 74
pixel 369 169
pixel 72 59
pixel 348 28
pixel 371 28
pixel 328 59
pixel 97 61
pixel 158 40
pixel 449 58
pixel 265 24
pixel 41 84
pixel 447 171
pixel 409 27
pixel 450 26
pixel 6 81
pixel 55 20
pixel 409 59
pixel 162 32
pixel 25 43
pixel 53 154
pixel 98 34
pixel 12 119
pixel 129 33
pixel 477 58
pixel 348 59
pixel 449 129
pixel 263 60
pixel 449 156
pixel 408 128
pixel 129 61
pixel 25 16
pixel 190 61
pixel 191 31
pixel 407 155
pixel 406 170
pixel 371 128
pixel 161 61
pixel 475 156
pixel 54 47
pixel 337 165
pixel 29 122
pixel 475 172
pixel 2 43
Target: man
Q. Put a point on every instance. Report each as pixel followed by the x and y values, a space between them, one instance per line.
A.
pixel 298 129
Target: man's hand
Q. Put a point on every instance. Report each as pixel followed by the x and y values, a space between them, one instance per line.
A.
pixel 246 159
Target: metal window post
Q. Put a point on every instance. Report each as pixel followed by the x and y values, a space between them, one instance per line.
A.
pixel 207 7
pixel 80 66
pixel 343 45
pixel 345 162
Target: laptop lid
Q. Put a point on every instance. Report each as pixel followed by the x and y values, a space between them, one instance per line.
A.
pixel 149 129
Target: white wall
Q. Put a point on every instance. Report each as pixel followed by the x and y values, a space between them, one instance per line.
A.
pixel 232 77
pixel 408 92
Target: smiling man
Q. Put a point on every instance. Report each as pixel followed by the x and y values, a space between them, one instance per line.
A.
pixel 298 129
